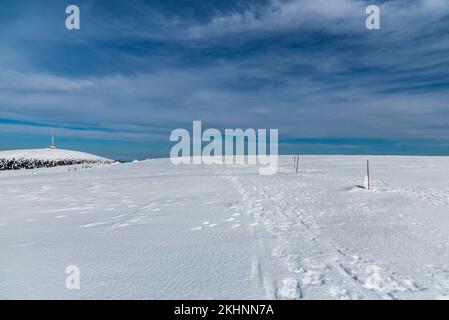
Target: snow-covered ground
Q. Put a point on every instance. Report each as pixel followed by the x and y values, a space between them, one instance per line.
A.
pixel 49 154
pixel 38 158
pixel 153 230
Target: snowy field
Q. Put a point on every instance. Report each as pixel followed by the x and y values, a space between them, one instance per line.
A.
pixel 154 230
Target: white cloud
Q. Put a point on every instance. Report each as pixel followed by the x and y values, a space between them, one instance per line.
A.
pixel 10 79
pixel 136 105
pixel 282 16
pixel 352 90
pixel 329 15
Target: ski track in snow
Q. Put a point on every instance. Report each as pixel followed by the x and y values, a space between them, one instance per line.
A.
pixel 308 236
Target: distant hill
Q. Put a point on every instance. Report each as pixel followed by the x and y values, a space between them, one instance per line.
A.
pixel 44 158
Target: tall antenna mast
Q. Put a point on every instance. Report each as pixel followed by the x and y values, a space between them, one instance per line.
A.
pixel 52 146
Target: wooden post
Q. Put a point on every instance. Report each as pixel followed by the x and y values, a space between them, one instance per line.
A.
pixel 297 164
pixel 367 173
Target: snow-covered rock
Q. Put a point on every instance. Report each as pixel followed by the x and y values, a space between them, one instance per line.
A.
pixel 38 158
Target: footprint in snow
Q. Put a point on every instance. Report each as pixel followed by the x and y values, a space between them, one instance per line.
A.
pixel 95 224
pixel 26 244
pixel 289 289
pixel 254 224
pixel 230 219
pixel 206 223
pixel 212 225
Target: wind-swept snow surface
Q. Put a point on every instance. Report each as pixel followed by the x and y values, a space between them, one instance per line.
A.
pixel 154 230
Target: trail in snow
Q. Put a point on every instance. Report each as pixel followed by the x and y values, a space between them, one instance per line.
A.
pixel 315 263
pixel 154 230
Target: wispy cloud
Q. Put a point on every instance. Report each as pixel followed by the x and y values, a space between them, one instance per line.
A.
pixel 309 68
pixel 333 16
pixel 280 15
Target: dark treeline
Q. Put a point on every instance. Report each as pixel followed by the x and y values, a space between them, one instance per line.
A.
pixel 16 164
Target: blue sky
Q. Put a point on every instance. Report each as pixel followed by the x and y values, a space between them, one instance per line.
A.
pixel 139 69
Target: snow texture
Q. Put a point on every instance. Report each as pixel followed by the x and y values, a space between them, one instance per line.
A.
pixel 150 229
